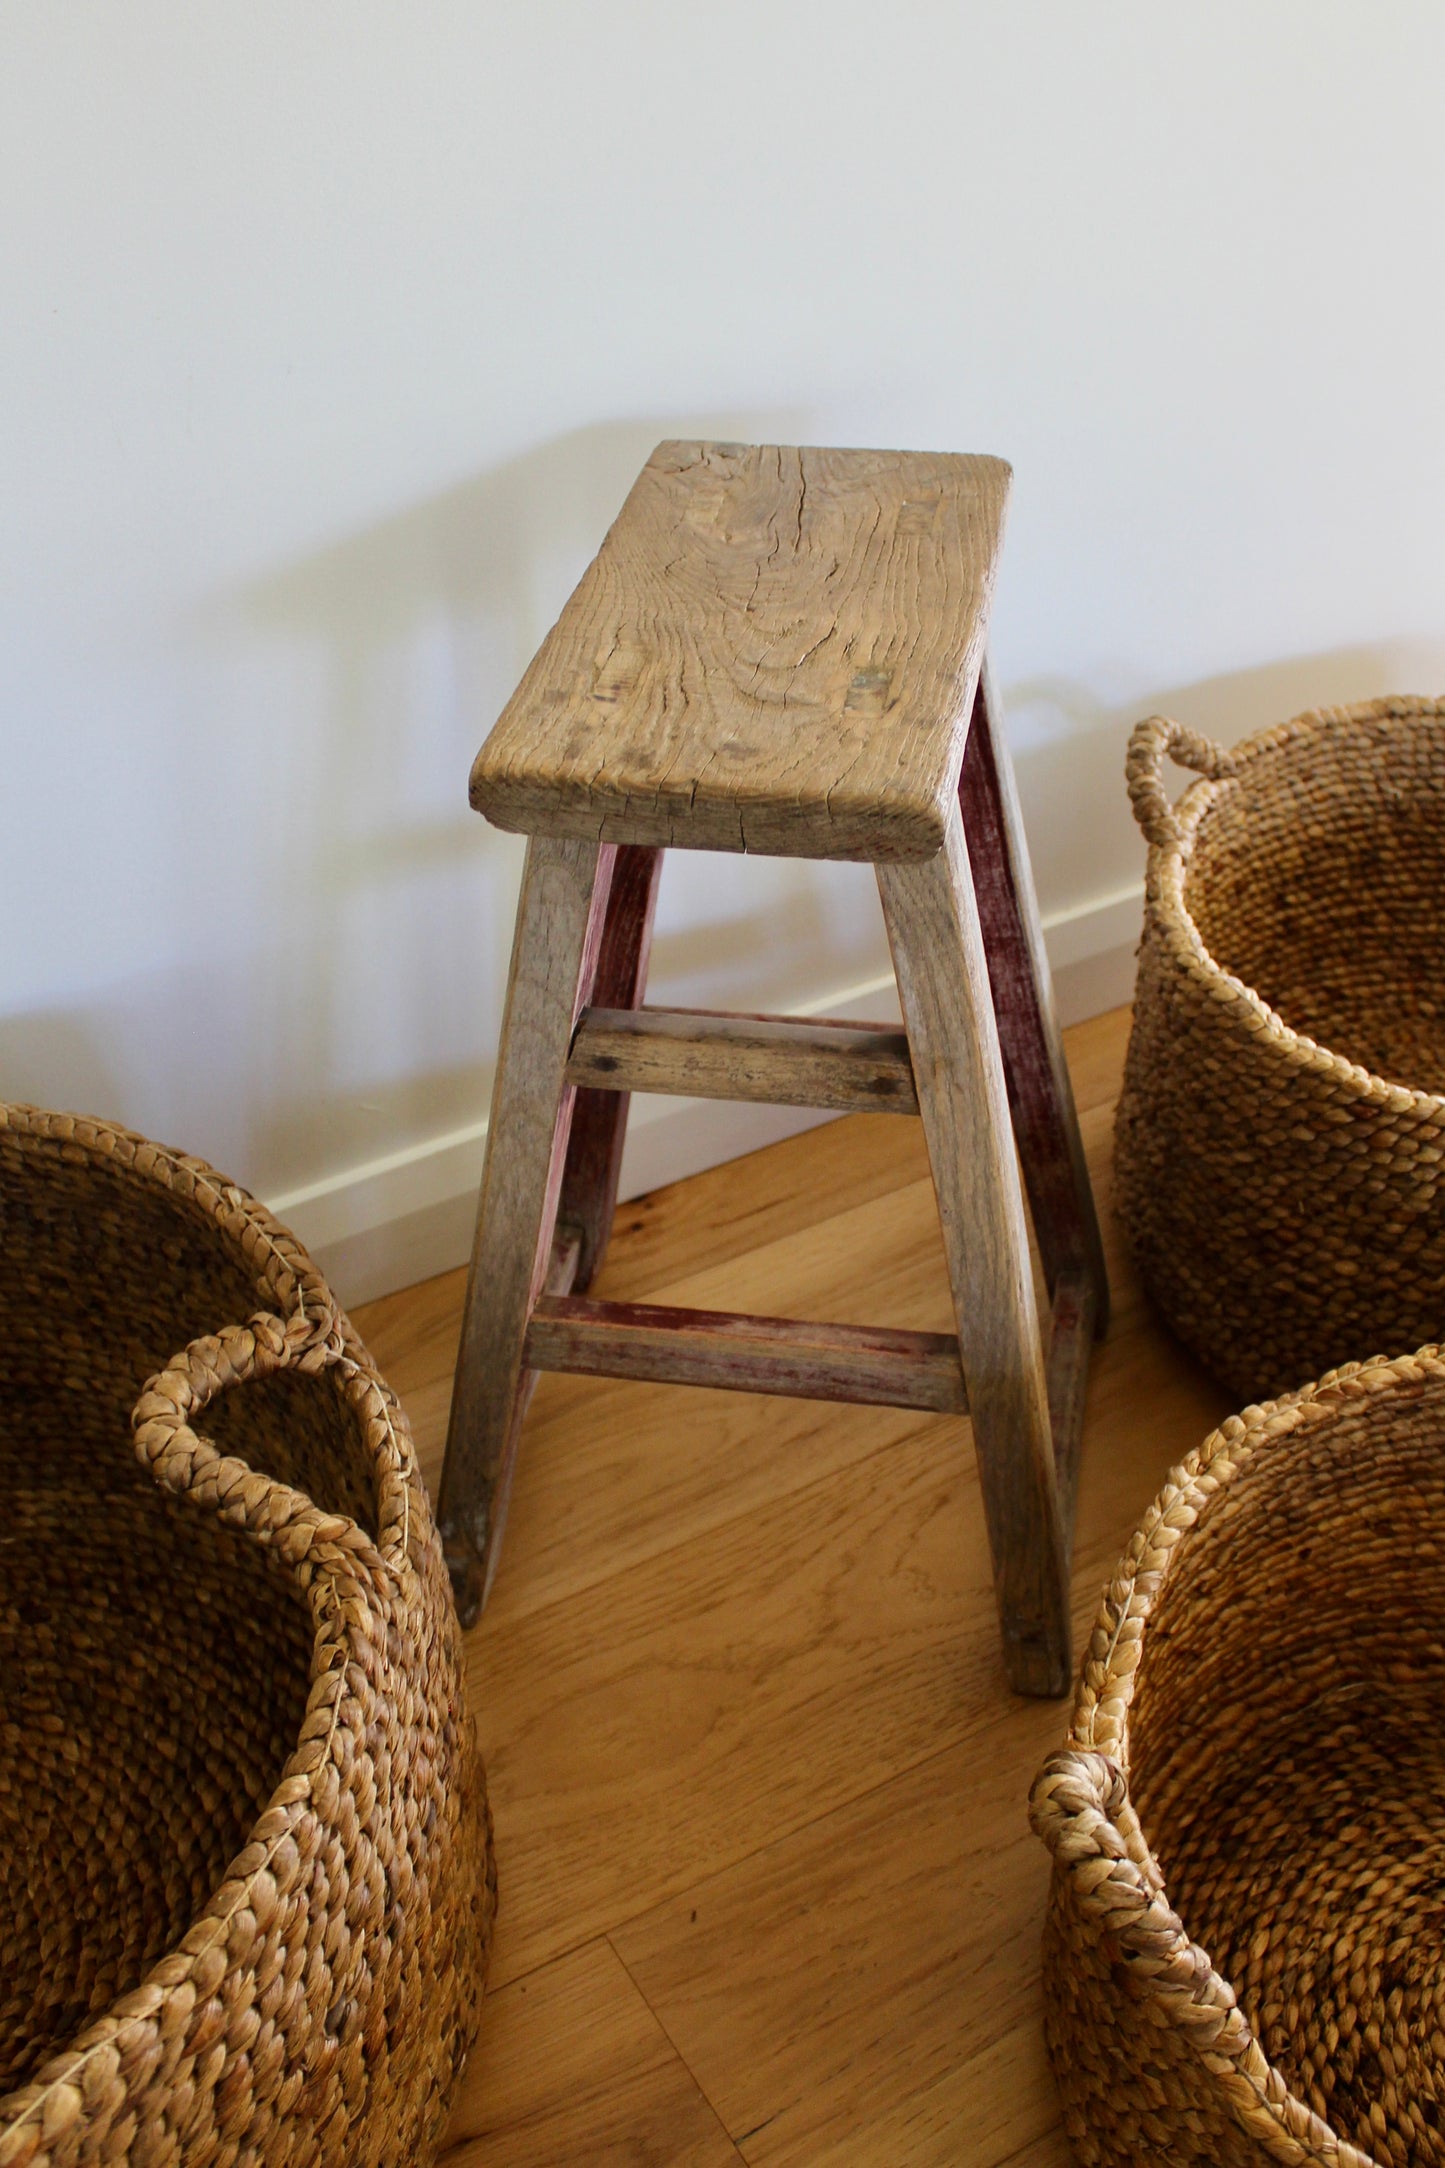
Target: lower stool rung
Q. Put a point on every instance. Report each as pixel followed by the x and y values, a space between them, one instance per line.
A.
pixel 744 1354
pixel 786 1061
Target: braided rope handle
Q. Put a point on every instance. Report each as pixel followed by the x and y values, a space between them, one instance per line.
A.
pixel 1150 744
pixel 1080 1806
pixel 183 1461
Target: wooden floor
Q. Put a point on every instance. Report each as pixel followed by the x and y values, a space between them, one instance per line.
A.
pixel 768 1891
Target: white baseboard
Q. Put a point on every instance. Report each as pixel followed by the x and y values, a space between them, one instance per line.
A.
pixel 401 1218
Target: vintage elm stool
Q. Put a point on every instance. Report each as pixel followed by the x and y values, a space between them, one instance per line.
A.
pixel 781 651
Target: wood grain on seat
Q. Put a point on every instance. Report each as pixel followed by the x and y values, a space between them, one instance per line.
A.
pixel 775 650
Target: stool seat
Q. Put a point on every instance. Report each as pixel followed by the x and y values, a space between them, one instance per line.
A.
pixel 775 650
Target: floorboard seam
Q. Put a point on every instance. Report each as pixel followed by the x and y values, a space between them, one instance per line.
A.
pixel 790 1836
pixel 609 1928
pixel 702 2092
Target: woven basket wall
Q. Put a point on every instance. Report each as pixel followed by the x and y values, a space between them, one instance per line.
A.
pixel 1280 1149
pixel 1243 1955
pixel 246 1896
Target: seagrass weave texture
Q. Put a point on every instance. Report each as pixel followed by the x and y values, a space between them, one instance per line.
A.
pixel 1280 1148
pixel 1243 1954
pixel 246 1890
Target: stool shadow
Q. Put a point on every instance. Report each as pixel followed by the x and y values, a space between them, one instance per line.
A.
pixel 38 1047
pixel 1083 840
pixel 377 1024
pixel 371 1024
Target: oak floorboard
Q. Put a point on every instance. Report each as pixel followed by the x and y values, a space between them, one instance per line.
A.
pixel 786 1656
pixel 1094 1051
pixel 573 2066
pixel 913 1914
pixel 730 1210
pixel 659 1725
pixel 742 1660
pixel 612 1473
pixel 866 1989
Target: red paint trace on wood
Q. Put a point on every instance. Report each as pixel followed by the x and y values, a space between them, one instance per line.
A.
pixel 738 1353
pixel 1071 1336
pixel 599 1118
pixel 1041 1100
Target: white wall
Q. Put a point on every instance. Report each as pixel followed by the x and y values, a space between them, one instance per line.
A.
pixel 332 336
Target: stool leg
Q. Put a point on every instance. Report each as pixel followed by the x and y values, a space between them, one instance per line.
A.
pixel 560 917
pixel 938 956
pixel 1041 1097
pixel 599 1119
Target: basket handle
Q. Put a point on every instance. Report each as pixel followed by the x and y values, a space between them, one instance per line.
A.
pixel 183 1461
pixel 1080 1807
pixel 1150 743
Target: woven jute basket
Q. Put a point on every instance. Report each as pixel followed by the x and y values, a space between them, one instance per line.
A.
pixel 1280 1149
pixel 246 1897
pixel 1245 1949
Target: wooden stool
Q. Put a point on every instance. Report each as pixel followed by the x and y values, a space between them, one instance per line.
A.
pixel 781 651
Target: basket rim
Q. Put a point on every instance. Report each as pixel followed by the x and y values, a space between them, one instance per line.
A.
pixel 342 1573
pixel 308 1316
pixel 1081 1803
pixel 1106 1685
pixel 1167 869
pixel 280 1262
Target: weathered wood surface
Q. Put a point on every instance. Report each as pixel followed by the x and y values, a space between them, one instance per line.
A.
pixel 1072 1327
pixel 786 1061
pixel 942 971
pixel 599 1118
pixel 558 936
pixel 774 650
pixel 1041 1100
pixel 560 1276
pixel 733 1352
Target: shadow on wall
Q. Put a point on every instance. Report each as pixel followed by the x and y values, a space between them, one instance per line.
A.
pixel 376 1014
pixel 1083 840
pixel 358 1022
pixel 373 1008
pixel 390 1224
pixel 48 1043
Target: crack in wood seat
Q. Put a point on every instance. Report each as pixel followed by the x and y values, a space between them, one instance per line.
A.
pixel 781 650
pixel 774 650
